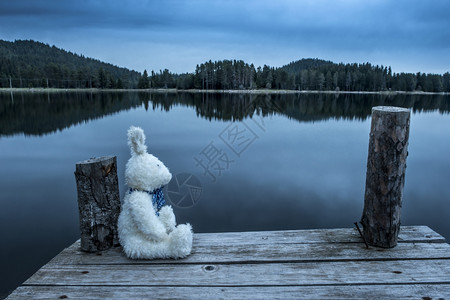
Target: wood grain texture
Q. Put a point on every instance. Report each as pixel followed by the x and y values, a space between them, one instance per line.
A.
pixel 311 264
pixel 273 274
pixel 98 202
pixel 309 236
pixel 385 177
pixel 212 246
pixel 409 291
pixel 258 253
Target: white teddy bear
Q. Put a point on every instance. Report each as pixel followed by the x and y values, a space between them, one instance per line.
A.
pixel 147 228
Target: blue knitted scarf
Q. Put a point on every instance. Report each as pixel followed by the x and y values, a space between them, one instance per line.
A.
pixel 157 198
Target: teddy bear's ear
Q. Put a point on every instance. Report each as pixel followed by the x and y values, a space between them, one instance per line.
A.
pixel 136 140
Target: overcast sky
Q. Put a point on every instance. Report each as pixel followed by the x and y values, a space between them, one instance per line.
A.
pixel 409 35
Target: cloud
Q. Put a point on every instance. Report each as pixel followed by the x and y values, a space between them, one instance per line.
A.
pixel 254 28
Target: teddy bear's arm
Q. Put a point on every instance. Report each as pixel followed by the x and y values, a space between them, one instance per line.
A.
pixel 145 218
pixel 167 217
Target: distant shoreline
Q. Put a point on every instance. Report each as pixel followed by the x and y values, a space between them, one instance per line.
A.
pixel 254 91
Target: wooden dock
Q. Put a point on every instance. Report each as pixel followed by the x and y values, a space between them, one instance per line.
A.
pixel 307 264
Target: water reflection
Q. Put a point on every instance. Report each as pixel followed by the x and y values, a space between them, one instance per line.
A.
pixel 300 107
pixel 44 113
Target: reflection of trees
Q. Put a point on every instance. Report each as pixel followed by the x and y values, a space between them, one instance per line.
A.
pixel 301 107
pixel 42 113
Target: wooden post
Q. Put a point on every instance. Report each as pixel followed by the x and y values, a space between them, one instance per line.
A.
pixel 98 202
pixel 385 178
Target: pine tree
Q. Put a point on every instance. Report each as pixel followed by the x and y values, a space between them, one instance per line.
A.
pixel 102 79
pixel 144 82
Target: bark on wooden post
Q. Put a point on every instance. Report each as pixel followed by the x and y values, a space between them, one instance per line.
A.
pixel 385 178
pixel 98 202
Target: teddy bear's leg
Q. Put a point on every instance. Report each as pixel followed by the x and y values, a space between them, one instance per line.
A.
pixel 180 241
pixel 167 217
pixel 136 248
pixel 145 249
pixel 177 245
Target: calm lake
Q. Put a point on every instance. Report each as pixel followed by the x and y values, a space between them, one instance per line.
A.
pixel 242 162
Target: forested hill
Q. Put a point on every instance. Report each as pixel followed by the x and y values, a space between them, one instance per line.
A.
pixel 34 64
pixel 319 74
pixel 296 67
pixel 304 74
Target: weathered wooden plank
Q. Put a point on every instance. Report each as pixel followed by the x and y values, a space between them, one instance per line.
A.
pixel 410 291
pixel 275 252
pixel 285 264
pixel 340 235
pixel 270 274
pixel 337 235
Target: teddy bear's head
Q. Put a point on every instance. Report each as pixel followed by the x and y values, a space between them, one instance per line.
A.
pixel 143 170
